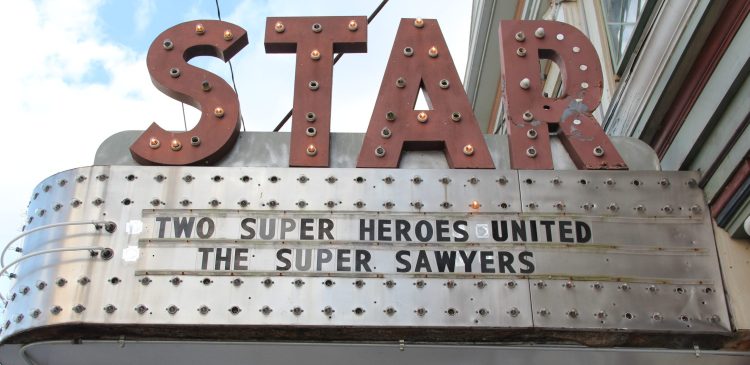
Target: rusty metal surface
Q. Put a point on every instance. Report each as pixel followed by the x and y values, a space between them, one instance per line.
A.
pixel 412 62
pixel 314 40
pixel 529 113
pixel 170 72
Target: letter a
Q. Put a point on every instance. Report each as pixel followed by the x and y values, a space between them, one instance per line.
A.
pixel 420 60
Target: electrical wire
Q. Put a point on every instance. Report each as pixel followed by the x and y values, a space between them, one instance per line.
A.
pixel 97 224
pixel 335 60
pixel 43 252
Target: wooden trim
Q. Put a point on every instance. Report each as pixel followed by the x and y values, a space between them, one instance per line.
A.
pixel 721 36
pixel 740 175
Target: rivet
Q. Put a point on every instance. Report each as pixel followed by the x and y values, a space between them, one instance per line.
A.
pixel 668 209
pixel 353 26
pixel 525 83
pixel 311 150
pixel 185 202
pixel 444 84
pixel 61 282
pixel 390 116
pixel 541 284
pixel 420 312
pixel 400 82
pixel 576 121
pixel 543 312
pixel 692 183
pixel 385 133
pixel 473 180
pixel 84 280
pixel 576 49
pixel 560 205
pixel 420 284
pixel 456 117
pixel 640 208
pixel 358 311
pixel 174 72
pixel 279 27
pixel 79 308
pixel 610 182
pixel 389 284
pixel 195 141
pixel 267 282
pixel 311 131
pixel 317 28
pixel 624 287
pixel 237 282
pixel 200 29
pixel 359 204
pixel 408 51
pixel 175 145
pixel 266 310
pixel 203 310
pixel 521 52
pixel 175 281
pixel 514 312
pixel 597 286
pixel 657 316
pixel 531 134
pixel 145 281
pixel 584 85
pixel 539 32
pixel 313 85
pixel 109 308
pixel 55 310
pixel 613 207
pixel 511 284
pixel 330 204
pixel 695 209
pixel 219 112
pixel 315 54
pixel 573 313
pixel 168 44
pixel 19 318
pixel 235 310
pixel 173 309
pixel 652 288
pixel 433 52
pixel 416 180
pixel 298 282
pixel 359 283
pixel 419 22
pixel 527 116
pixel 297 311
pixel 35 313
pixel 422 117
pixel 569 285
pixel 328 310
pixel 450 284
pixel 583 67
pixel 140 309
pixel 520 36
pixel 25 290
pixel 600 315
pixel 451 312
pixel 664 182
pixel 598 151
pixel 390 311
pixel 531 152
pixel 301 203
pixel 228 35
pixel 468 150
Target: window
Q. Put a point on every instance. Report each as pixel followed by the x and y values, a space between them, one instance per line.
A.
pixel 622 20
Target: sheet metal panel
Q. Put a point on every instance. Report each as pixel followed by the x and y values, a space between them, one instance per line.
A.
pixel 668 261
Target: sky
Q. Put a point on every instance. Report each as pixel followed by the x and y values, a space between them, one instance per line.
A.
pixel 75 74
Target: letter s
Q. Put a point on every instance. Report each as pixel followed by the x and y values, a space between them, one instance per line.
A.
pixel 167 62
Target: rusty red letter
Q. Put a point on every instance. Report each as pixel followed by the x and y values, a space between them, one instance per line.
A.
pixel 529 113
pixel 315 40
pixel 420 60
pixel 167 62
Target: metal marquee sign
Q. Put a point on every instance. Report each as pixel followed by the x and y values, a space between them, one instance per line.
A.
pixel 422 228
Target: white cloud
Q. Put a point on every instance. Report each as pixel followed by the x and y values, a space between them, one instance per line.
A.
pixel 143 14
